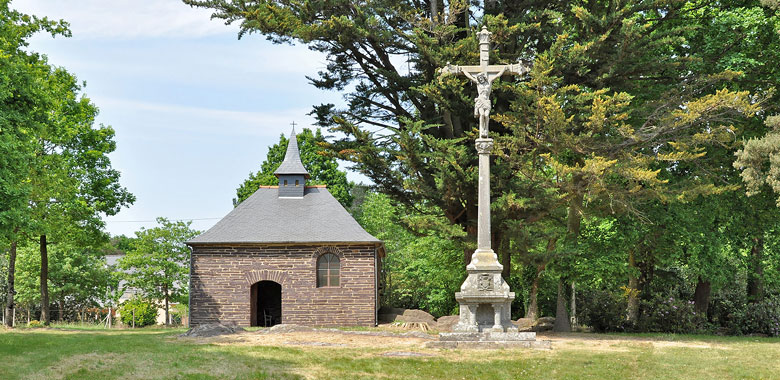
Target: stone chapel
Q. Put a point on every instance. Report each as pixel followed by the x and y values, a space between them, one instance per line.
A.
pixel 287 254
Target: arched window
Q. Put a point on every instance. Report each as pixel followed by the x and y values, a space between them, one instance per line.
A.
pixel 328 270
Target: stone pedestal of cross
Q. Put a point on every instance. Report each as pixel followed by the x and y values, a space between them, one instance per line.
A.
pixel 484 298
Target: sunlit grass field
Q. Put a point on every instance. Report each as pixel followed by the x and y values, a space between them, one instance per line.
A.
pixel 158 353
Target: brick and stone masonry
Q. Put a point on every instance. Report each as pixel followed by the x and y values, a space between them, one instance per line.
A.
pixel 222 277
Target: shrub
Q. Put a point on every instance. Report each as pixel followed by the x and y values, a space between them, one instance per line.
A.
pixel 671 315
pixel 728 310
pixel 602 310
pixel 178 312
pixel 35 324
pixel 762 317
pixel 145 312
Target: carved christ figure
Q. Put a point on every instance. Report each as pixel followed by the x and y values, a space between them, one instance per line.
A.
pixel 482 104
pixel 484 75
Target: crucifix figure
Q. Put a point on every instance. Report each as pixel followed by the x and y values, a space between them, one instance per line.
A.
pixel 484 288
pixel 484 75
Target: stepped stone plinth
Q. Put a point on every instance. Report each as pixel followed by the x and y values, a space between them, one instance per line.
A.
pixel 488 340
pixel 484 298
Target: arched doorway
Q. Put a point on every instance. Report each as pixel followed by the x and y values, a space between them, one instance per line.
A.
pixel 265 303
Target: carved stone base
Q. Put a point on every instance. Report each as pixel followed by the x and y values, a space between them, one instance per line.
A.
pixel 485 300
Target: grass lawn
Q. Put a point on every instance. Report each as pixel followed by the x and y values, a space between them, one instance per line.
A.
pixel 159 354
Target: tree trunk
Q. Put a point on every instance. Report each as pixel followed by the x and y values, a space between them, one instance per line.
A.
pixel 61 308
pixel 471 230
pixel 701 297
pixel 561 314
pixel 9 308
pixel 632 310
pixel 755 286
pixel 573 224
pixel 533 306
pixel 45 317
pixel 167 319
pixel 506 262
pixel 503 251
pixel 574 217
pixel 573 304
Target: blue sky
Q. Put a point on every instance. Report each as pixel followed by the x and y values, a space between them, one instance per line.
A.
pixel 194 108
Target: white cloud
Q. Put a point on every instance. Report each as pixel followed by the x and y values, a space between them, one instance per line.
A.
pixel 111 19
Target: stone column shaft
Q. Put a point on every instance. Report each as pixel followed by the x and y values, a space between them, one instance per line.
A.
pixel 484 257
pixel 483 223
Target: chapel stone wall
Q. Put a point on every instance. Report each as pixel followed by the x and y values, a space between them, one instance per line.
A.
pixel 222 277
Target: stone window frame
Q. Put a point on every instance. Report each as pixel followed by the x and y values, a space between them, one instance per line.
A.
pixel 319 253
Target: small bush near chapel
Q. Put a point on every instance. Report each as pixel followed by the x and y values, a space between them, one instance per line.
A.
pixel 35 324
pixel 145 312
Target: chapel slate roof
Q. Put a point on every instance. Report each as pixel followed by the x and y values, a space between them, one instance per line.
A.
pixel 292 164
pixel 264 217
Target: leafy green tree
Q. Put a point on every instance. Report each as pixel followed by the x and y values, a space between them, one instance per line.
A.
pixel 421 269
pixel 120 245
pixel 73 181
pixel 27 286
pixel 324 170
pixel 79 278
pixel 59 179
pixel 159 263
pixel 24 104
pixel 64 179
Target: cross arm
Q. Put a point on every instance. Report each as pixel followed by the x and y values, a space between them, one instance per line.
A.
pixel 516 68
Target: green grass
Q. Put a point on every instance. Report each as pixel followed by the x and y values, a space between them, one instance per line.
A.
pixel 158 354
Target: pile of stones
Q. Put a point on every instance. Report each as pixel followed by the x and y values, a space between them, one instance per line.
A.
pixel 211 329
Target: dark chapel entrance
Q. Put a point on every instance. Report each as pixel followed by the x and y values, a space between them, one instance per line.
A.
pixel 265 303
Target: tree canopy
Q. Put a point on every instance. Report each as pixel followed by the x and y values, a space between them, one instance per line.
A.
pixel 158 265
pixel 57 179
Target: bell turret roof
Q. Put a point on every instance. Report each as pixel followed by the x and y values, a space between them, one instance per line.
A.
pixel 292 164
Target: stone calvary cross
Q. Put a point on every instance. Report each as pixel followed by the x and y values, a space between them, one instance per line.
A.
pixel 484 299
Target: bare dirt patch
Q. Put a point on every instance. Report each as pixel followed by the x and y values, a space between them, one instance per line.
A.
pixel 383 340
pixel 319 338
pixel 600 342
